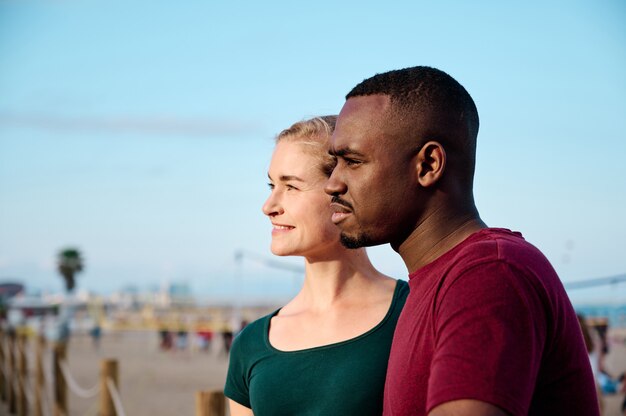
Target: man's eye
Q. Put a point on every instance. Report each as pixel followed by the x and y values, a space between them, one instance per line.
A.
pixel 291 187
pixel 352 162
pixel 270 185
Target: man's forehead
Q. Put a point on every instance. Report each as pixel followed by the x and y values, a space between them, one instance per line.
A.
pixel 361 118
pixel 365 105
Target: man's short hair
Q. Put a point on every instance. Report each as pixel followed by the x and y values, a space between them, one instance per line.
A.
pixel 420 89
pixel 435 106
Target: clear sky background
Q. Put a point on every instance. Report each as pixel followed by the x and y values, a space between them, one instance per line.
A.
pixel 141 131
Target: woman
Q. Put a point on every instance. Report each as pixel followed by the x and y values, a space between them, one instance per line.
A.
pixel 325 352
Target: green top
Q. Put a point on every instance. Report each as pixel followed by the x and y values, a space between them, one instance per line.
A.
pixel 345 378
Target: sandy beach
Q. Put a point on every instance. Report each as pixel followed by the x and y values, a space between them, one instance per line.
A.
pixel 163 383
pixel 151 381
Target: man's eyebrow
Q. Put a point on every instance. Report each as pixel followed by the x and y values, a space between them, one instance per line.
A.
pixel 345 151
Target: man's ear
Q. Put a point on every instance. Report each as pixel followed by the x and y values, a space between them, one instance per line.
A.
pixel 431 163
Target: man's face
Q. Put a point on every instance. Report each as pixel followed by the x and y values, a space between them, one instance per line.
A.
pixel 373 184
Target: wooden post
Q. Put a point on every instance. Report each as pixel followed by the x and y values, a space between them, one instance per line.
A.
pixel 22 373
pixel 3 366
pixel 39 374
pixel 60 385
pixel 11 373
pixel 210 403
pixel 108 369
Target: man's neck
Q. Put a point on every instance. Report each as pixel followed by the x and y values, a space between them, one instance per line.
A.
pixel 437 235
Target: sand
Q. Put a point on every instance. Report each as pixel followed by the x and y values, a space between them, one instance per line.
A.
pixel 163 383
pixel 151 381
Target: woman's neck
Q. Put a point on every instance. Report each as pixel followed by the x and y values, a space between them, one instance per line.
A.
pixel 331 281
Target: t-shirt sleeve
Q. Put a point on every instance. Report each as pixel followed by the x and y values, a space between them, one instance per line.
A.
pixel 490 328
pixel 237 385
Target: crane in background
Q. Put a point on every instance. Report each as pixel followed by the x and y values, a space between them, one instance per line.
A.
pixel 269 262
pixel 599 281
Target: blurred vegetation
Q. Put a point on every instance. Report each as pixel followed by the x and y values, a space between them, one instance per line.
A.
pixel 69 264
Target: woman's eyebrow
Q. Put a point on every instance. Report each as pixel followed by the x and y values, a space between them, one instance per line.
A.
pixel 286 178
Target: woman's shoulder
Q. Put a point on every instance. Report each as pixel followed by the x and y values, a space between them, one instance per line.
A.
pixel 400 294
pixel 257 327
pixel 402 284
pixel 402 288
pixel 252 335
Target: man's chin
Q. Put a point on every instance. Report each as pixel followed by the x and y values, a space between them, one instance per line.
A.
pixel 354 242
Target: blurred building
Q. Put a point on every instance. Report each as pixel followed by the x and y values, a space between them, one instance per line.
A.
pixel 7 291
pixel 177 294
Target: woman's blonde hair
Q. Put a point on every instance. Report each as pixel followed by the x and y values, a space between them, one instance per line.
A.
pixel 315 134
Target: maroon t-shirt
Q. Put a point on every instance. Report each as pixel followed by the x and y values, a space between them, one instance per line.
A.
pixel 489 320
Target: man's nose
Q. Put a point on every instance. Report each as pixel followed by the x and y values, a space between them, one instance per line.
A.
pixel 334 185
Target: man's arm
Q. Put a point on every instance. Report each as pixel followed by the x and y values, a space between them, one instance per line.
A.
pixel 490 329
pixel 467 408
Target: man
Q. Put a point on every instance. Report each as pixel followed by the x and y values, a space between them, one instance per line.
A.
pixel 488 328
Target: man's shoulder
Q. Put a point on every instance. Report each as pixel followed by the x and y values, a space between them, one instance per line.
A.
pixel 504 257
pixel 501 257
pixel 497 244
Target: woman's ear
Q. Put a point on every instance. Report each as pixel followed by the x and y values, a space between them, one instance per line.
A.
pixel 431 163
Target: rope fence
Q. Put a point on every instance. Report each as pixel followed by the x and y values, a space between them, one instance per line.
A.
pixel 115 397
pixel 47 394
pixel 74 386
pixel 29 393
pixel 43 395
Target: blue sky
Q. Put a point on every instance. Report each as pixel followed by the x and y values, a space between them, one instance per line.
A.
pixel 141 131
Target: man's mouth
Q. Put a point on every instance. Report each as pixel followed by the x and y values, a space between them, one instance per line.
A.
pixel 336 201
pixel 341 210
pixel 337 217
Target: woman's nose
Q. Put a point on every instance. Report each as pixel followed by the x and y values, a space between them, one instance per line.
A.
pixel 272 207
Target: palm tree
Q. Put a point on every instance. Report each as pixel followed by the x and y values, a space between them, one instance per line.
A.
pixel 69 263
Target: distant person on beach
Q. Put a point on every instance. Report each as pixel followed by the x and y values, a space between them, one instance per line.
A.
pixel 165 336
pixel 487 328
pixel 326 351
pixel 96 333
pixel 591 344
pixel 595 336
pixel 227 339
pixel 204 336
pixel 181 339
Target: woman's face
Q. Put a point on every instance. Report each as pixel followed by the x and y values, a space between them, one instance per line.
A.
pixel 298 207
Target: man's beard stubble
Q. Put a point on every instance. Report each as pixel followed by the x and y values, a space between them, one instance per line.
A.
pixel 362 240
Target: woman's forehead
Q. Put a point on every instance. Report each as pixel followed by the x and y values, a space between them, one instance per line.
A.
pixel 294 159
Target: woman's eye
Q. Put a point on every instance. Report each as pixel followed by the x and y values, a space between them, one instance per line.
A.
pixel 270 185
